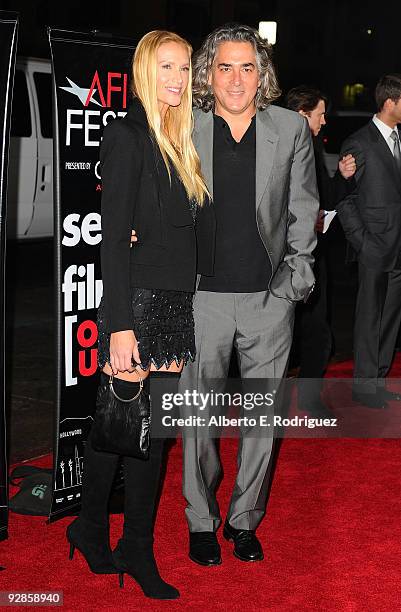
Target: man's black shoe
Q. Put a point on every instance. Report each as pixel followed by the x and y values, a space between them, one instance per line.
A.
pixel 246 545
pixel 370 400
pixel 204 548
pixel 315 408
pixel 388 396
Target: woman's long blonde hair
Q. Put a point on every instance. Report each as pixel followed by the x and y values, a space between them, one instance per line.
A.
pixel 174 137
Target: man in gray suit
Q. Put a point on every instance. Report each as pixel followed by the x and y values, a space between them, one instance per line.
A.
pixel 258 163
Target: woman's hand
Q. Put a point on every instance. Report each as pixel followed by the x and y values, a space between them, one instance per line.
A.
pixel 123 347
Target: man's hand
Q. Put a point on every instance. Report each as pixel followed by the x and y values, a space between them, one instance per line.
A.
pixel 123 347
pixel 134 238
pixel 347 166
pixel 320 220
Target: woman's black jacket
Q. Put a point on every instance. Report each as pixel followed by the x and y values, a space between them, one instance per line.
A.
pixel 137 194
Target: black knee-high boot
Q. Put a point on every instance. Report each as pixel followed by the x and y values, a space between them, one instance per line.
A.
pixel 89 533
pixel 134 552
pixel 90 530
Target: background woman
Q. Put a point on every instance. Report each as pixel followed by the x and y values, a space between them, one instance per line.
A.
pixel 150 181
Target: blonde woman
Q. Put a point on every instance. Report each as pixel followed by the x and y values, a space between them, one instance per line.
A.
pixel 152 182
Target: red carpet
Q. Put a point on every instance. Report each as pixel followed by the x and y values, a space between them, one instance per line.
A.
pixel 332 540
pixel 343 369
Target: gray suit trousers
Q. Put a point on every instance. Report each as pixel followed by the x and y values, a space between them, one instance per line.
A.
pixel 259 326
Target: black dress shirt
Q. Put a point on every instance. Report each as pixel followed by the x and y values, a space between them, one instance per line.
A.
pixel 241 264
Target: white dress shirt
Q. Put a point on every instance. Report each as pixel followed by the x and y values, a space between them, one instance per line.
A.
pixel 385 131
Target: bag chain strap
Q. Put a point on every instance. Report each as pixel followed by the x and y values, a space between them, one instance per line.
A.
pixel 126 401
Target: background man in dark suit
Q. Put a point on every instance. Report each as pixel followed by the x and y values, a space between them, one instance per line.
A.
pixel 371 218
pixel 312 328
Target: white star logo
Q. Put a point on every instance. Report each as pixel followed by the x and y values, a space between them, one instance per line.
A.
pixel 80 92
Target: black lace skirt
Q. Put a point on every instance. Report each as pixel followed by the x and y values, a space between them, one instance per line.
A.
pixel 163 324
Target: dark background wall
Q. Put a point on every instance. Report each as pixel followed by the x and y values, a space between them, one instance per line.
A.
pixel 332 43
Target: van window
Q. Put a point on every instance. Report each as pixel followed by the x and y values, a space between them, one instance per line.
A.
pixel 21 116
pixel 43 84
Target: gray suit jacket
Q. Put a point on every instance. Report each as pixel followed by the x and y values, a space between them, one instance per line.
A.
pixel 287 202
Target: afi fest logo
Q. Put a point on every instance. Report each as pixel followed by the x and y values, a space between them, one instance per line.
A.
pixel 113 93
pixel 81 290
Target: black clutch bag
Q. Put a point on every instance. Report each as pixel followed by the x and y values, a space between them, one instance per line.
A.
pixel 122 426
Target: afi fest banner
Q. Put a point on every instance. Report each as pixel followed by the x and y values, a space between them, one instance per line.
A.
pixel 8 46
pixel 91 77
